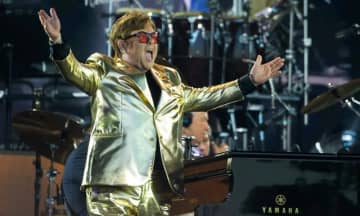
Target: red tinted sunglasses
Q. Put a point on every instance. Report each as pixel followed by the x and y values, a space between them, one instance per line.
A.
pixel 145 37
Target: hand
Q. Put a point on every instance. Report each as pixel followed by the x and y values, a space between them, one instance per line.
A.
pixel 51 24
pixel 260 73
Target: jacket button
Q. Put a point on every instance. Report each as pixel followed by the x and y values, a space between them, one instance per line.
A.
pixel 152 139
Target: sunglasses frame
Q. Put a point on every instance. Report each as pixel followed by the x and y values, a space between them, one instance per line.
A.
pixel 150 36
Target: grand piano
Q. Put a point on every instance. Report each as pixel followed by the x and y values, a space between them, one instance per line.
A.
pixel 251 184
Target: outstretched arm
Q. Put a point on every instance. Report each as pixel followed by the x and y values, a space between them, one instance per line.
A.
pixel 84 76
pixel 207 98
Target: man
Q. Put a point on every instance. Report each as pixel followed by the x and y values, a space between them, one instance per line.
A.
pixel 135 160
pixel 196 125
pixel 221 143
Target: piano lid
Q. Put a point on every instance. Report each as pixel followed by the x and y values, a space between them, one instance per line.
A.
pixel 274 184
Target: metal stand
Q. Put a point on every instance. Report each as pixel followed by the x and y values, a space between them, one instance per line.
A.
pixel 170 35
pixel 167 28
pixel 290 51
pixel 290 59
pixel 231 112
pixel 51 174
pixel 215 9
pixel 348 104
pixel 226 41
pixel 286 121
pixel 110 20
pixel 238 8
pixel 187 141
pixel 294 12
pixel 211 52
pixel 307 44
pixel 36 106
pixel 8 48
pixel 37 183
pixel 286 133
pixel 240 135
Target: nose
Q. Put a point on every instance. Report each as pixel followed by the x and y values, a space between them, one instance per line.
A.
pixel 150 40
pixel 150 43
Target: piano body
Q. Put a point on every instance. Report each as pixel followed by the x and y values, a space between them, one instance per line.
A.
pixel 258 184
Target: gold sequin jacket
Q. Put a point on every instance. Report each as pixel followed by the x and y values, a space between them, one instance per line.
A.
pixel 126 126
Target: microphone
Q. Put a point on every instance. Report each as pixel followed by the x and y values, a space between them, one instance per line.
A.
pixel 272 89
pixel 353 30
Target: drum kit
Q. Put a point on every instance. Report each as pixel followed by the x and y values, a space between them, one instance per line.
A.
pixel 52 135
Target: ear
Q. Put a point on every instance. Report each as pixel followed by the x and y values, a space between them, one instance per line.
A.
pixel 122 45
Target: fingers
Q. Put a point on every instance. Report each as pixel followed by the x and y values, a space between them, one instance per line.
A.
pixel 276 64
pixel 276 73
pixel 276 61
pixel 44 16
pixel 42 21
pixel 277 68
pixel 53 13
pixel 258 60
pixel 273 67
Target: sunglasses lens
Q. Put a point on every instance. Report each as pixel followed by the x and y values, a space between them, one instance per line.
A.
pixel 142 37
pixel 155 38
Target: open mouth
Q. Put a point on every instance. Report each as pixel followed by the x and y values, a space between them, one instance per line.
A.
pixel 149 55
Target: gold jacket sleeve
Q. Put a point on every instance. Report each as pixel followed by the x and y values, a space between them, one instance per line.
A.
pixel 85 76
pixel 208 98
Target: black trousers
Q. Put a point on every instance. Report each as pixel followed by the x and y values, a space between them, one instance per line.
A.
pixel 75 199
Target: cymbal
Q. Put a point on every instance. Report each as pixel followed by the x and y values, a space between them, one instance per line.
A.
pixel 273 12
pixel 332 96
pixel 187 14
pixel 44 131
pixel 152 11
